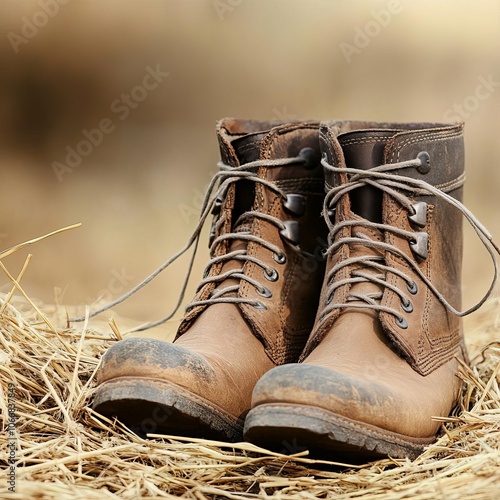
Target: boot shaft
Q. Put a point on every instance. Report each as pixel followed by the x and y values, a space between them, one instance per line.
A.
pixel 379 372
pixel 288 268
pixel 417 234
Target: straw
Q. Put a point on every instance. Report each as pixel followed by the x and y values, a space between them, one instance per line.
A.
pixel 66 451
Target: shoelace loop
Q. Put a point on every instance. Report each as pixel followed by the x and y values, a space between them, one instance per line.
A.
pixel 212 202
pixel 383 178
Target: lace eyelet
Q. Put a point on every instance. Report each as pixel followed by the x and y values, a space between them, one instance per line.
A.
pixel 271 274
pixel 408 307
pixel 290 231
pixel 425 162
pixel 328 299
pixel 311 158
pixel 412 287
pixel 420 245
pixel 419 218
pixel 217 207
pixel 280 258
pixel 295 204
pixel 259 306
pixel 402 323
pixel 264 292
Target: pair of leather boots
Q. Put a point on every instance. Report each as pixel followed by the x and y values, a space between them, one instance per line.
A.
pixel 328 317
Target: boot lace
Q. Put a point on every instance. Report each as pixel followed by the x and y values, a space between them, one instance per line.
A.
pixel 401 188
pixel 215 194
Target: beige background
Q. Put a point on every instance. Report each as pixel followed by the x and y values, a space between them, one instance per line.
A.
pixel 138 191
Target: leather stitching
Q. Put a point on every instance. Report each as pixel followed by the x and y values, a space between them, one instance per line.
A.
pixel 434 137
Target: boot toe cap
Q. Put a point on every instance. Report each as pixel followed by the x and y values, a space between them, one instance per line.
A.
pixel 143 357
pixel 365 401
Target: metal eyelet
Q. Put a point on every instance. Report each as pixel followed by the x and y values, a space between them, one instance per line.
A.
pixel 311 158
pixel 408 307
pixel 264 292
pixel 420 244
pixel 280 258
pixel 271 274
pixel 402 323
pixel 295 204
pixel 412 287
pixel 216 209
pixel 259 306
pixel 291 231
pixel 425 162
pixel 419 218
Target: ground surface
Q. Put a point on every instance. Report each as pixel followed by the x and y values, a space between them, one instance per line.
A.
pixel 61 450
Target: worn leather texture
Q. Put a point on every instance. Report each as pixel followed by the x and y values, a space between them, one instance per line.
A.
pixel 358 362
pixel 286 324
pixel 222 349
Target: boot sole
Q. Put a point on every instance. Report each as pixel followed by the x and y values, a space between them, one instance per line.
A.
pixel 292 428
pixel 148 406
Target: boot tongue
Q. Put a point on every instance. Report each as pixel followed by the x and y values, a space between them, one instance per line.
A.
pixel 364 150
pixel 247 149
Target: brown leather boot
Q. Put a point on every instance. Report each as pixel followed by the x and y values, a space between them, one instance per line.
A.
pixel 381 361
pixel 255 306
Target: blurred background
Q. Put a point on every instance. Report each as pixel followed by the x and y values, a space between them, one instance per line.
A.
pixel 146 82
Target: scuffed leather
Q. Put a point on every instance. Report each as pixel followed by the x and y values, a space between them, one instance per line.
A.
pixel 218 359
pixel 222 350
pixel 286 324
pixel 358 363
pixel 425 344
